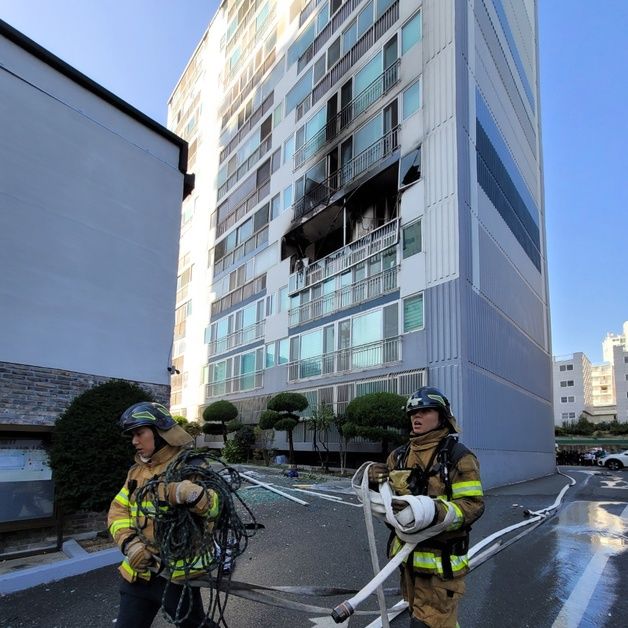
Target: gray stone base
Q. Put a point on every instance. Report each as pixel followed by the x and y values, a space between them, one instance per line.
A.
pixel 35 395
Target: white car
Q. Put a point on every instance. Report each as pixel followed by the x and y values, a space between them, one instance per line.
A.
pixel 614 461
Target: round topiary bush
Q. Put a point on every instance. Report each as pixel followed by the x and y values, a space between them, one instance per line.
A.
pixel 89 455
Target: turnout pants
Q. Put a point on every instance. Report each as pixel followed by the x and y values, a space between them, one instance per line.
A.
pixel 140 601
pixel 432 602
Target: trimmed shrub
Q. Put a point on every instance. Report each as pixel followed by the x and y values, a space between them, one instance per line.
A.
pixel 89 455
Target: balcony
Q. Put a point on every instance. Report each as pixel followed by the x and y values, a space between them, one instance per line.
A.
pixel 258 153
pixel 240 383
pixel 348 114
pixel 320 193
pixel 348 296
pixel 350 255
pixel 365 356
pixel 255 286
pixel 237 338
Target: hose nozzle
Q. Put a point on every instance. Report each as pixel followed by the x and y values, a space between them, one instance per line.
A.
pixel 342 612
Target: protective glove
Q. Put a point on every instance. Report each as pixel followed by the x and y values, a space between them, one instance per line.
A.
pixel 378 473
pixel 138 556
pixel 184 492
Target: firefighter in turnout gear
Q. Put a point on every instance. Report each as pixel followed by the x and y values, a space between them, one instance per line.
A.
pixel 157 440
pixel 435 464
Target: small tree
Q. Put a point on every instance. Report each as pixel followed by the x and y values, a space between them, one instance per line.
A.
pixel 377 416
pixel 282 416
pixel 191 427
pixel 245 438
pixel 320 422
pixel 216 415
pixel 89 455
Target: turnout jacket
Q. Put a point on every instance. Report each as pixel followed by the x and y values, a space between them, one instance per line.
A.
pixel 123 520
pixel 444 555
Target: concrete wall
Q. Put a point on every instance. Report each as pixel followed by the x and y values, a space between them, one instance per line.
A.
pixel 89 223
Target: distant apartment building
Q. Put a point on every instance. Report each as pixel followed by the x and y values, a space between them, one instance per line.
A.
pixel 600 391
pixel 90 196
pixel 368 216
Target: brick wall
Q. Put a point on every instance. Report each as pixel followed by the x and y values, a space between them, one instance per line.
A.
pixel 37 395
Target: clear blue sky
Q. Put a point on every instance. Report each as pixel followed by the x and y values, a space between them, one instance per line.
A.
pixel 138 49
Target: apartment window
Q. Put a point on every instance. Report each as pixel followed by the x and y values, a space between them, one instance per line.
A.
pixel 572 415
pixel 283 355
pixel 563 399
pixel 349 36
pixel 382 5
pixel 299 91
pixel 626 359
pixel 569 367
pixel 275 206
pixel 627 377
pixel 319 69
pixel 570 399
pixel 269 360
pixel 413 313
pixel 322 18
pixel 365 19
pixel 410 33
pixel 288 149
pixel 564 415
pixel 412 239
pixel 410 167
pixel 301 44
pixel 333 53
pixel 284 302
pixel 368 134
pixel 566 383
pixel 287 197
pixel 277 115
pixel 411 99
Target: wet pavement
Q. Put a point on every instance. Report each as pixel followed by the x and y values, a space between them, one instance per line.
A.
pixel 565 573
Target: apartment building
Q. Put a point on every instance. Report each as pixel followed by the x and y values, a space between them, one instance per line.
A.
pixel 598 390
pixel 368 215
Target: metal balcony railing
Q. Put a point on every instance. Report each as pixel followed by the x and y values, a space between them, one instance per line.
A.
pixel 377 240
pixel 243 208
pixel 365 356
pixel 242 250
pixel 321 192
pixel 240 383
pixel 243 169
pixel 239 294
pixel 237 338
pixel 350 113
pixel 346 297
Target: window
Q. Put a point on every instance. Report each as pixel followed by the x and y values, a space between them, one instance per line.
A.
pixel 382 5
pixel 287 197
pixel 277 115
pixel 563 367
pixel 270 355
pixel 410 33
pixel 412 239
pixel 572 415
pixel 283 355
pixel 564 415
pixel 288 150
pixel 410 167
pixel 411 99
pixel 569 367
pixel 570 399
pixel 275 206
pixel 413 313
pixel 566 383
pixel 319 69
pixel 284 303
pixel 365 19
pixel 333 53
pixel 299 91
pixel 368 134
pixel 349 36
pixel 563 399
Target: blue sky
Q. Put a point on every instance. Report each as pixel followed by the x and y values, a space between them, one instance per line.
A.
pixel 138 49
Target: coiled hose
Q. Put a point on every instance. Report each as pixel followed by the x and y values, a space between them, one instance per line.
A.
pixel 188 542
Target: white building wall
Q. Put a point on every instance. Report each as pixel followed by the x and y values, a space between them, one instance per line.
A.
pixel 89 225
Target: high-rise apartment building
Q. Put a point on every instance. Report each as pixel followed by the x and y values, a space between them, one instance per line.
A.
pixel 600 391
pixel 368 215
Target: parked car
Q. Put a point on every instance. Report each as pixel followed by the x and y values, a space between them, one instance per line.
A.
pixel 614 461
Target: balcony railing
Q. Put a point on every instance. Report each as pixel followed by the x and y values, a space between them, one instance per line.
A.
pixel 350 113
pixel 238 295
pixel 240 383
pixel 321 192
pixel 365 356
pixel 350 255
pixel 242 250
pixel 345 297
pixel 237 338
pixel 244 208
pixel 243 169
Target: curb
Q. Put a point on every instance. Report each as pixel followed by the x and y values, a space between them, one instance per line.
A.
pixel 79 562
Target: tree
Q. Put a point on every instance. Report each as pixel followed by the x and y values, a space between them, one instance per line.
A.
pixel 245 439
pixel 191 427
pixel 89 455
pixel 378 417
pixel 216 415
pixel 320 422
pixel 282 416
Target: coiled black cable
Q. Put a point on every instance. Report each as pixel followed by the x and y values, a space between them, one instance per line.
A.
pixel 189 543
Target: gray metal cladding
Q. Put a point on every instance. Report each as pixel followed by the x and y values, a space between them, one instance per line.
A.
pixel 442 320
pixel 500 416
pixel 495 344
pixel 499 58
pixel 507 290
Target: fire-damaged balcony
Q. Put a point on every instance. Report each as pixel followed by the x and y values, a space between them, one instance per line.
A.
pixel 352 112
pixel 320 194
pixel 366 356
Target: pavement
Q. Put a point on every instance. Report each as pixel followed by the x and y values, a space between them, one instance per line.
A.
pixel 504 506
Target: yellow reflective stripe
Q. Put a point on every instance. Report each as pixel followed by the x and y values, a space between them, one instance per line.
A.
pixel 214 506
pixel 119 524
pixel 459 516
pixel 132 572
pixel 147 507
pixel 122 497
pixel 199 564
pixel 466 489
pixel 430 561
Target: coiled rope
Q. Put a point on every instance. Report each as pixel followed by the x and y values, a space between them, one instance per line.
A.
pixel 188 542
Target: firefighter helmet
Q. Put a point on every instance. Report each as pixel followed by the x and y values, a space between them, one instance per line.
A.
pixel 427 397
pixel 146 413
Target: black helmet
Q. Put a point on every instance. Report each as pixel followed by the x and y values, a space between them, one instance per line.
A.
pixel 428 397
pixel 146 413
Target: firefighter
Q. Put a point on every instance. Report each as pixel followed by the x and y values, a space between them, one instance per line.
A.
pixel 435 464
pixel 157 440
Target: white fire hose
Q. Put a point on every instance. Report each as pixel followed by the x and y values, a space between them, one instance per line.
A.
pixel 411 526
